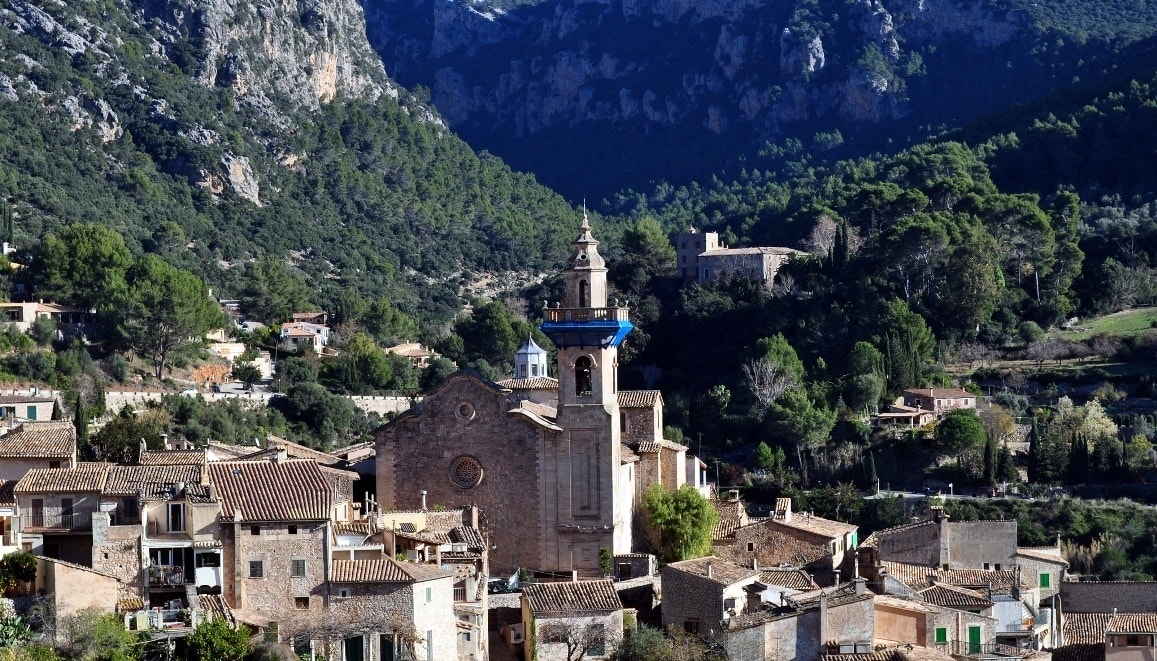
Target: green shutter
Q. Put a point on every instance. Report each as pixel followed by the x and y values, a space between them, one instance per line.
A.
pixel 973 639
pixel 1045 577
pixel 31 412
pixel 942 634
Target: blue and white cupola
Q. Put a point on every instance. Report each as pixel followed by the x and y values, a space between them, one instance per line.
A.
pixel 530 360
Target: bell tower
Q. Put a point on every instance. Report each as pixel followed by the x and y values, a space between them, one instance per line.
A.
pixel 590 513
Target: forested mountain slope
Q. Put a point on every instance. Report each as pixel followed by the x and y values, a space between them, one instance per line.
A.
pixel 217 132
pixel 598 96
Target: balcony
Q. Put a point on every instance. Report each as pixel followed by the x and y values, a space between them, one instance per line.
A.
pixel 459 595
pixel 967 649
pixel 74 520
pixel 166 576
pixel 586 327
pixel 584 315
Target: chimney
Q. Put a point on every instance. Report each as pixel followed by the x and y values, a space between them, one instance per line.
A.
pixel 837 576
pixel 856 564
pixel 861 585
pixel 755 564
pixel 710 573
pixel 423 492
pixel 282 455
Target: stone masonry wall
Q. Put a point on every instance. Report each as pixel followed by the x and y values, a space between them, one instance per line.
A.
pixel 973 543
pixel 1103 597
pixel 276 548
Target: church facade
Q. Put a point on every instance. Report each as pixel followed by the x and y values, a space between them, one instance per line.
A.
pixel 547 461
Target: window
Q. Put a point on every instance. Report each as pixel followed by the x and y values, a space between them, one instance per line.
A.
pixel 429 644
pixel 691 626
pixel 1045 579
pixel 554 633
pixel 292 529
pixel 176 517
pixel 297 568
pixel 584 294
pixel 751 547
pixel 255 530
pixel 597 638
pixel 429 595
pixel 301 603
pixel 54 464
pixel 941 634
pixel 729 603
pixel 582 376
pixel 986 566
pixel 343 593
pixel 256 569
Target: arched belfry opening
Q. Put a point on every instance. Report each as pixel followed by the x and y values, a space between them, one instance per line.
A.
pixel 582 376
pixel 584 294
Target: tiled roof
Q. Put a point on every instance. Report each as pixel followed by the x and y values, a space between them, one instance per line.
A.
pixel 467 535
pixel 130 605
pixel 648 447
pixel 541 410
pixel 792 579
pixel 292 490
pixel 351 527
pixel 25 399
pixel 919 577
pixel 945 393
pixel 39 439
pixel 443 520
pixel 385 570
pixel 873 539
pixel 672 445
pixel 1048 554
pixel 724 572
pixel 1132 623
pixel 572 598
pixel 215 604
pixel 85 477
pixel 530 383
pixel 907 604
pixel 381 570
pixel 225 451
pixel 129 480
pixel 951 596
pixel 731 517
pixel 172 458
pixel 1086 628
pixel 299 451
pixel 818 525
pixel 639 399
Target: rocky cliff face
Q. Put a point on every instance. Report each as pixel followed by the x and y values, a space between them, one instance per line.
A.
pixel 277 58
pixel 596 69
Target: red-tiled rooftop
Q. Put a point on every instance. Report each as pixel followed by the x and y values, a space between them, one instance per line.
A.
pixel 172 457
pixel 639 399
pixel 385 570
pixel 129 480
pixel 792 579
pixel 951 596
pixel 55 439
pixel 572 598
pixel 290 490
pixel 530 383
pixel 724 572
pixel 1132 623
pixel 86 477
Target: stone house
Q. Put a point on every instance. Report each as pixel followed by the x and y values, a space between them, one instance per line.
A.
pixel 30 445
pixel 69 321
pixel 1045 567
pixel 904 621
pixel 940 542
pixel 700 595
pixel 814 543
pixel 567 619
pixel 700 256
pixel 1131 637
pixel 19 408
pixel 396 606
pixel 468 440
pixel 938 400
pixel 301 335
pixel 836 620
pixel 784 582
pixel 55 509
pixel 418 355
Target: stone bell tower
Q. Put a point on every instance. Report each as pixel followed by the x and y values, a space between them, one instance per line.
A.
pixel 589 511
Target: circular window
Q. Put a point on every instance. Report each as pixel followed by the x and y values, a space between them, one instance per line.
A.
pixel 465 411
pixel 465 472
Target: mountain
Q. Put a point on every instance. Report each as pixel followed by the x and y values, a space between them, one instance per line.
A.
pixel 597 95
pixel 220 133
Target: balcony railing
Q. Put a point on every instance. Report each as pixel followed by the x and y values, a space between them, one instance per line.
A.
pixel 459 595
pixel 565 315
pixel 75 520
pixel 978 650
pixel 166 575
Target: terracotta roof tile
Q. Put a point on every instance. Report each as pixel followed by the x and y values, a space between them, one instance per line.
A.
pixel 648 447
pixel 467 535
pixel 530 383
pixel 639 399
pixel 792 579
pixel 385 570
pixel 351 527
pixel 541 410
pixel 130 605
pixel 627 455
pixel 292 490
pixel 818 525
pixel 129 480
pixel 172 458
pixel 84 478
pixel 946 393
pixel 919 577
pixel 908 604
pixel 724 572
pixel 572 598
pixel 1132 623
pixel 39 439
pixel 215 604
pixel 1085 628
pixel 8 493
pixel 672 445
pixel 1048 554
pixel 873 539
pixel 444 521
pixel 951 596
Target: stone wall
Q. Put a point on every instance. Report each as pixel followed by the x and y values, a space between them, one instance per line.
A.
pixel 116 550
pixel 972 544
pixel 919 545
pixel 957 623
pixel 467 419
pixel 1103 597
pixel 275 591
pixel 115 400
pixel 771 544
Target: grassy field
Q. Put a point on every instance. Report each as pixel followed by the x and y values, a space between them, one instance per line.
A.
pixel 1128 322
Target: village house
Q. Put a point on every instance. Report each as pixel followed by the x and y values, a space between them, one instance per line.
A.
pixel 700 595
pixel 570 619
pixel 1131 637
pixel 305 333
pixel 418 355
pixel 69 321
pixel 938 400
pixel 700 256
pixel 21 408
pixel 818 545
pixel 55 509
pixel 30 445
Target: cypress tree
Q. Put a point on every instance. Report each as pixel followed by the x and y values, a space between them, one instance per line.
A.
pixel 80 421
pixel 1034 453
pixel 989 461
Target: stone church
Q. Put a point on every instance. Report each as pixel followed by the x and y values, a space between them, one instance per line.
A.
pixel 557 466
